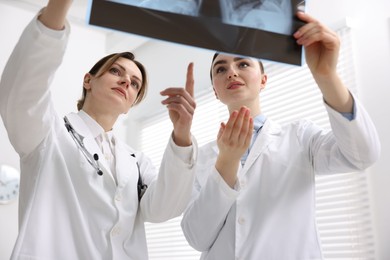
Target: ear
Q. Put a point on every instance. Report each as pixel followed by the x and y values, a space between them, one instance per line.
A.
pixel 263 82
pixel 215 93
pixel 87 81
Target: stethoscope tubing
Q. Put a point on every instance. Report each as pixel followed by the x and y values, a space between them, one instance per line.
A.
pixel 93 159
pixel 78 139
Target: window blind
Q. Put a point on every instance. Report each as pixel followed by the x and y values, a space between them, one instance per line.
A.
pixel 342 200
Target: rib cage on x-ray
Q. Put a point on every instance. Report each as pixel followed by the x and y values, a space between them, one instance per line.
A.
pixel 268 15
pixel 232 30
pixel 185 7
pixel 233 5
pixel 239 3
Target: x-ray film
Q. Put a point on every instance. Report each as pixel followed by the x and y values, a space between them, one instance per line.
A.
pixel 257 28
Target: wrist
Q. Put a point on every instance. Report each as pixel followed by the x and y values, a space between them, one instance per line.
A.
pixel 326 78
pixel 185 140
pixel 227 168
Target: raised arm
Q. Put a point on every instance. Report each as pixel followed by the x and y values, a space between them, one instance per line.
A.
pixel 322 47
pixel 358 142
pixel 54 14
pixel 25 101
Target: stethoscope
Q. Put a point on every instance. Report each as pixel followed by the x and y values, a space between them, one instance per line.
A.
pixel 93 160
pixel 78 139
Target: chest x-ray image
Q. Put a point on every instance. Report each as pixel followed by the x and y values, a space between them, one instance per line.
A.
pixel 256 28
pixel 267 15
pixel 184 7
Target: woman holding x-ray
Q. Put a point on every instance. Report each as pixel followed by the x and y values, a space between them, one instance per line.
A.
pixel 78 193
pixel 254 194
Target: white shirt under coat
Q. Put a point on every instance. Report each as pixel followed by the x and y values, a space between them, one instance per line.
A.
pixel 66 210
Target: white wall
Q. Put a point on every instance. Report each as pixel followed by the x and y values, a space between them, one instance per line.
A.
pixel 166 65
pixel 372 39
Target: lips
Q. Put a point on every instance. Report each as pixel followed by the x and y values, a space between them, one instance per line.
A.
pixel 235 85
pixel 121 91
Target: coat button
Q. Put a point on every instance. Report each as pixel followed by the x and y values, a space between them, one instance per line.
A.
pixel 115 231
pixel 241 220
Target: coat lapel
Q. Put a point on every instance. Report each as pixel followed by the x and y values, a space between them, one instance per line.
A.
pixel 267 135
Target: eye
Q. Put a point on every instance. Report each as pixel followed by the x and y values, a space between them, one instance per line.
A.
pixel 114 71
pixel 135 84
pixel 220 70
pixel 243 64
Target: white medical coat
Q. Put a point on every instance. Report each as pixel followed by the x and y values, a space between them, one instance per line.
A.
pixel 271 213
pixel 67 211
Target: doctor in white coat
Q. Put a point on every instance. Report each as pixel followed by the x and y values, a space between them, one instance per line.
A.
pixel 257 201
pixel 78 191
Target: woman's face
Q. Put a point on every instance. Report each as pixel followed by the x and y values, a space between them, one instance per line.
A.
pixel 237 81
pixel 117 89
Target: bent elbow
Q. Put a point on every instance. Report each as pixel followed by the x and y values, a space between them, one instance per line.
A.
pixel 194 238
pixel 369 160
pixel 371 156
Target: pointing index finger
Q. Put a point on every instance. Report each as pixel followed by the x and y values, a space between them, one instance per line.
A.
pixel 190 79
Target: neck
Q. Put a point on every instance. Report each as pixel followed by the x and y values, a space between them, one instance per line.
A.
pixel 105 120
pixel 253 106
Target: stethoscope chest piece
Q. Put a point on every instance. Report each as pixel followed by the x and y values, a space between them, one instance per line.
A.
pixel 93 160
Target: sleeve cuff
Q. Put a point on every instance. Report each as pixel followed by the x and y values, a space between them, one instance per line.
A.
pixel 227 190
pixel 187 154
pixel 57 34
pixel 349 116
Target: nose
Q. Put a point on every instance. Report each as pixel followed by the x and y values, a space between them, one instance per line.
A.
pixel 232 73
pixel 125 81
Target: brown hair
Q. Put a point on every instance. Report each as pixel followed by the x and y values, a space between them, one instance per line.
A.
pixel 104 64
pixel 216 55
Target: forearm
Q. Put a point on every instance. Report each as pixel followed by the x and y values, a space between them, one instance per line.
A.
pixel 228 169
pixel 357 139
pixel 335 93
pixel 169 194
pixel 54 14
pixel 353 145
pixel 205 217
